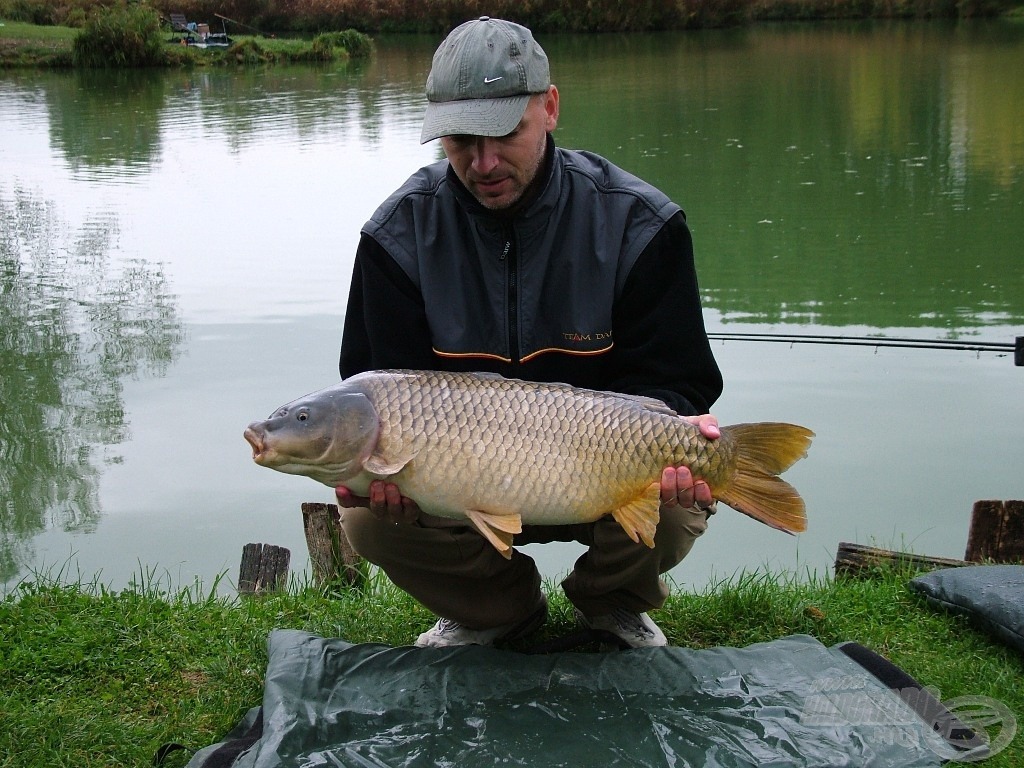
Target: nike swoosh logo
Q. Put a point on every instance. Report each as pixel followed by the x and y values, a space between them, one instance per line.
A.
pixel 489 80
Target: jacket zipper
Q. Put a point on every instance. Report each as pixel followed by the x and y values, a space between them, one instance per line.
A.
pixel 511 259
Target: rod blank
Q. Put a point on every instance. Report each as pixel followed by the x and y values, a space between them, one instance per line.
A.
pixel 880 341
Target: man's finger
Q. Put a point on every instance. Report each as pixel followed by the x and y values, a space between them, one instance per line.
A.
pixel 392 496
pixel 668 486
pixel 348 499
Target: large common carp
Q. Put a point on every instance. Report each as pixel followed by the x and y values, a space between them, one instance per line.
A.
pixel 503 452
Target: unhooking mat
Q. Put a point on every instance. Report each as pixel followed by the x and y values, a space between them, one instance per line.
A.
pixel 789 702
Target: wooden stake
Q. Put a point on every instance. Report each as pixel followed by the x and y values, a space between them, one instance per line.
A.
pixel 330 552
pixel 264 568
pixel 997 532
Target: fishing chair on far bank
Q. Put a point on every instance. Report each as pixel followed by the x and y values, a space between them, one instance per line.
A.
pixel 184 31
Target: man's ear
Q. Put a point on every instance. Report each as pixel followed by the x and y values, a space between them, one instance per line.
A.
pixel 551 108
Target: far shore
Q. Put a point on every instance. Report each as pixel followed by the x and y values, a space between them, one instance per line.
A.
pixel 24 44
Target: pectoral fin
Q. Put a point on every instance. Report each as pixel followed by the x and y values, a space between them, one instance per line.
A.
pixel 497 529
pixel 379 465
pixel 639 517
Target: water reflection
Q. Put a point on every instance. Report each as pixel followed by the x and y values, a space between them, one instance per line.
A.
pixel 107 119
pixel 846 188
pixel 112 124
pixel 833 176
pixel 73 328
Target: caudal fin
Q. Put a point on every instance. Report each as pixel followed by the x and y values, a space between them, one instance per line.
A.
pixel 763 451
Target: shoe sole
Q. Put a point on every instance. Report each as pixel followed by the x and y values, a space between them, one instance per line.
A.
pixel 608 640
pixel 530 624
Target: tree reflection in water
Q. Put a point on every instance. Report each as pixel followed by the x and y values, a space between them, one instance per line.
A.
pixel 72 328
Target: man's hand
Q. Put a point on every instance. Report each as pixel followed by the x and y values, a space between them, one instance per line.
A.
pixel 385 501
pixel 677 484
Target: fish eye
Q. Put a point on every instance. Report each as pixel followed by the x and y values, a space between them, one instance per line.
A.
pixel 302 415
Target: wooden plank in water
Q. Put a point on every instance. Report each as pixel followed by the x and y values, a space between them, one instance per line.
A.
pixel 858 560
pixel 264 568
pixel 997 532
pixel 996 536
pixel 331 554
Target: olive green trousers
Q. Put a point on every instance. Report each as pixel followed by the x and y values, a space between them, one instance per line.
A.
pixel 453 571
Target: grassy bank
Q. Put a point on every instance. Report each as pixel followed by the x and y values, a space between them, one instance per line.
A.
pixel 23 44
pixel 26 45
pixel 90 677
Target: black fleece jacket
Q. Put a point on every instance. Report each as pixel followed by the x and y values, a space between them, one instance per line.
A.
pixel 660 345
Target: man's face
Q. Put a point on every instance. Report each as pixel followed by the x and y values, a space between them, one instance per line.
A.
pixel 497 170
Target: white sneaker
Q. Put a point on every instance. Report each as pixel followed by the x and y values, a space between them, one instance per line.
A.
pixel 633 630
pixel 447 633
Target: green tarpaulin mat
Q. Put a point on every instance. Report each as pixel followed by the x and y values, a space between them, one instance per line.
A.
pixel 789 702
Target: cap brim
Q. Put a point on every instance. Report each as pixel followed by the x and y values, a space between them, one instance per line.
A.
pixel 473 117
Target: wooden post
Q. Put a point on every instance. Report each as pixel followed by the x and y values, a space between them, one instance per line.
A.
pixel 330 552
pixel 1018 351
pixel 264 568
pixel 857 560
pixel 997 532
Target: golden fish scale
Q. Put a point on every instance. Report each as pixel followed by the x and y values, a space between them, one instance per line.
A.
pixel 552 453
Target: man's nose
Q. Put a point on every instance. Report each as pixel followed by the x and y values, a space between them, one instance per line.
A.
pixel 485 154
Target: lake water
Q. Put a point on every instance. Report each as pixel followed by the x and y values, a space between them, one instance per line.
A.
pixel 175 250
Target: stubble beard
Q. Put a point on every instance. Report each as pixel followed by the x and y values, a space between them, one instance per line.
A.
pixel 520 185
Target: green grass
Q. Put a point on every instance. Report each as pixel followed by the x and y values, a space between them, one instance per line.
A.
pixel 19 30
pixel 90 677
pixel 24 44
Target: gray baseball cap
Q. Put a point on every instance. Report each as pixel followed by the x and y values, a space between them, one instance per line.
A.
pixel 481 79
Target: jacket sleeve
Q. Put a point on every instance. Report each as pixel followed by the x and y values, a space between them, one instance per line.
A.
pixel 661 346
pixel 385 323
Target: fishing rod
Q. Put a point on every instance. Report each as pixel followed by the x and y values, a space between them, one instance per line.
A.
pixel 225 18
pixel 1017 348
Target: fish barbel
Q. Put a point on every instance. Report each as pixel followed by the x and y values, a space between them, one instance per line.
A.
pixel 502 453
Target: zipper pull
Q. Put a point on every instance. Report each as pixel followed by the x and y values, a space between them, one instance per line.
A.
pixel 504 253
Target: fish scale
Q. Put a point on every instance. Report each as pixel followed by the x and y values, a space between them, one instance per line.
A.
pixel 501 452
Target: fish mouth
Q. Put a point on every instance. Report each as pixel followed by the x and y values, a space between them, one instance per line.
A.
pixel 255 439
